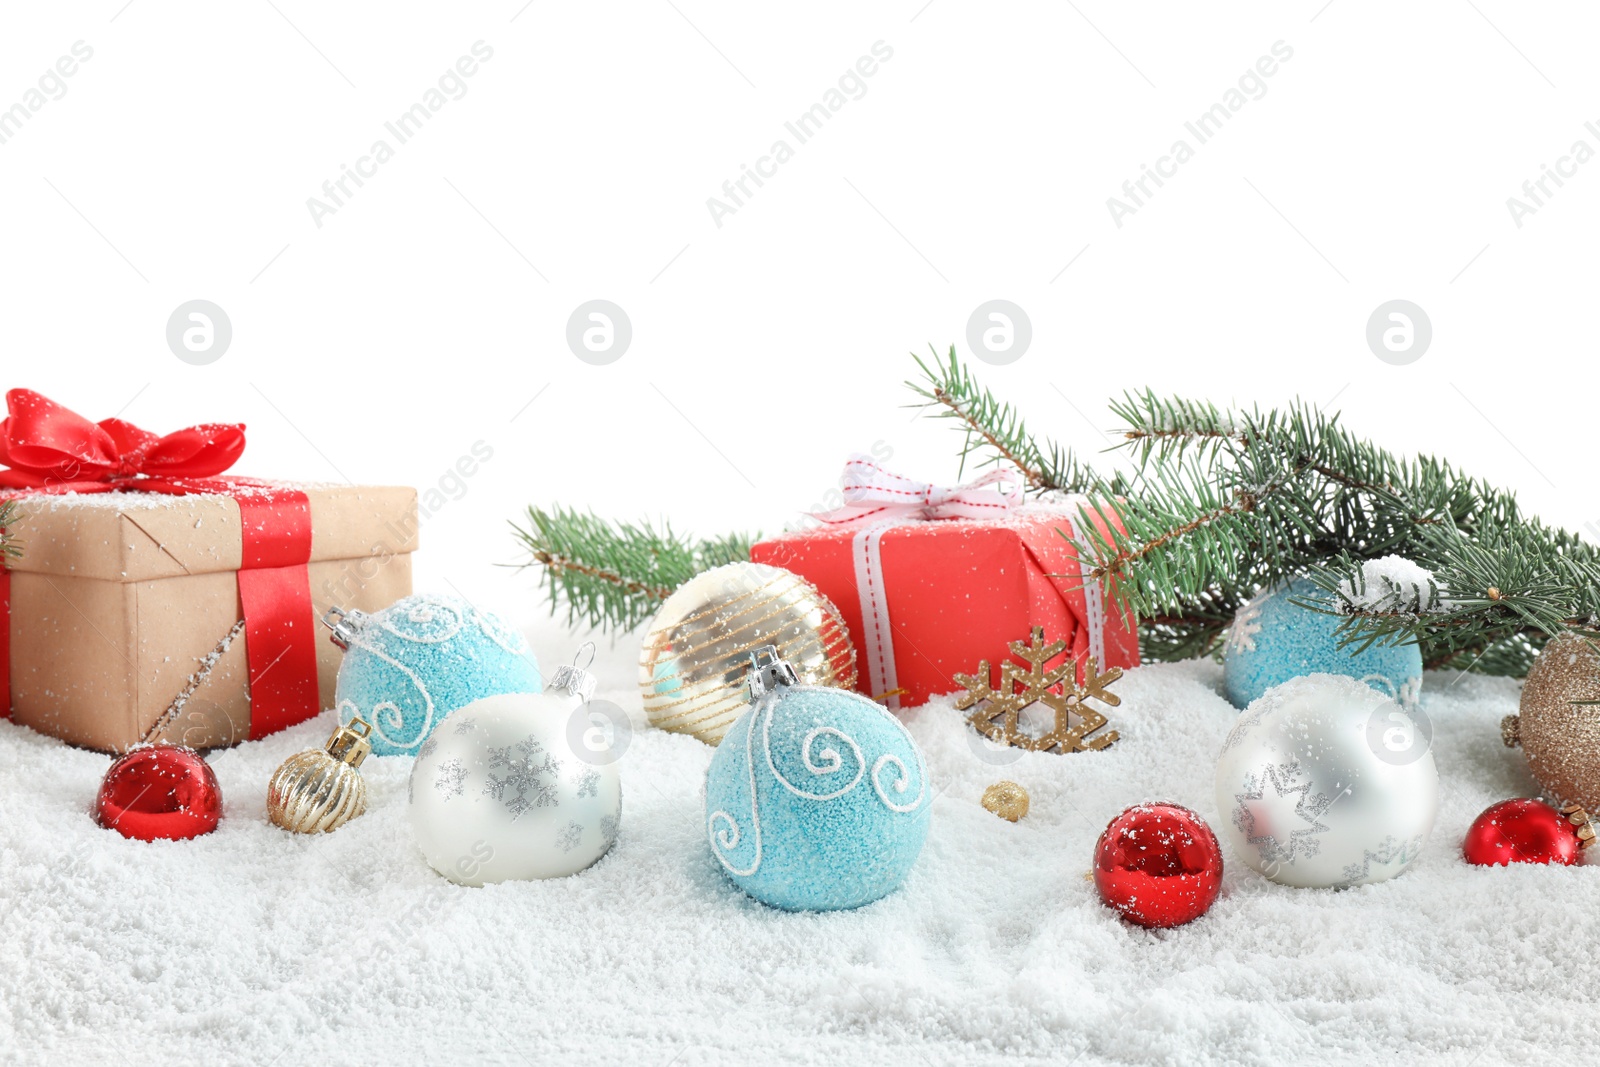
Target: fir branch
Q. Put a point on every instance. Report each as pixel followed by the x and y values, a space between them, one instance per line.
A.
pixel 1166 427
pixel 614 575
pixel 1223 503
pixel 995 427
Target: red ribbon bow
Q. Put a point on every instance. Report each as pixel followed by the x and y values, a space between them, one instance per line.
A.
pixel 49 446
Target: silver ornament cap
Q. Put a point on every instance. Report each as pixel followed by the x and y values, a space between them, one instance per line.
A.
pixel 768 671
pixel 344 625
pixel 1327 783
pixel 573 678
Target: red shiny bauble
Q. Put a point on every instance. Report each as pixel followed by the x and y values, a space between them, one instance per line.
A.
pixel 1521 831
pixel 159 791
pixel 1158 864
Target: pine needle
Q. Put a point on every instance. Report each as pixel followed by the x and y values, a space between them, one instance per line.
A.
pixel 614 575
pixel 1224 503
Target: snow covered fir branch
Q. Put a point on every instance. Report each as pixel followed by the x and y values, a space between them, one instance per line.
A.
pixel 1206 508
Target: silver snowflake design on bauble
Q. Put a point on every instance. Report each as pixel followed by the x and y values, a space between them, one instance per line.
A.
pixel 466 726
pixel 1388 851
pixel 450 777
pixel 568 838
pixel 589 783
pixel 1285 780
pixel 428 748
pixel 609 826
pixel 1246 623
pixel 1247 723
pixel 524 786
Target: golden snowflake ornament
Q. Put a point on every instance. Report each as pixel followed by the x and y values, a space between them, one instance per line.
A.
pixel 997 711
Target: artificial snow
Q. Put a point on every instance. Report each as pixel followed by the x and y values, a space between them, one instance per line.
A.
pixel 1393 583
pixel 253 945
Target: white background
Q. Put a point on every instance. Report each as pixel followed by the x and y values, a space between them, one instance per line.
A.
pixel 429 311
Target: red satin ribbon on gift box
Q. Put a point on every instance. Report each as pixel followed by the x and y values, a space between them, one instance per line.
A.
pixel 52 449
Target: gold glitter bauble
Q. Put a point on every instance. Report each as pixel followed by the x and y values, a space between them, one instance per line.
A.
pixel 321 790
pixel 1561 739
pixel 1007 800
pixel 695 663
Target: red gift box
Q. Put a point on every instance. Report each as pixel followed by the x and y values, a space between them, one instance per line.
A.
pixel 927 597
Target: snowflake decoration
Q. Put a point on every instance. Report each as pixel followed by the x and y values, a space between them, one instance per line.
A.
pixel 609 825
pixel 1285 780
pixel 589 783
pixel 450 779
pixel 1246 623
pixel 466 726
pixel 428 747
pixel 1388 851
pixel 996 717
pixel 524 786
pixel 568 838
pixel 1247 723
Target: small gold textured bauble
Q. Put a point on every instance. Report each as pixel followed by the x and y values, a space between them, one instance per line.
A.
pixel 1561 739
pixel 317 791
pixel 696 656
pixel 1007 800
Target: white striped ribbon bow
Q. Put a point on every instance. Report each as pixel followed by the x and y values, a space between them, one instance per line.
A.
pixel 872 492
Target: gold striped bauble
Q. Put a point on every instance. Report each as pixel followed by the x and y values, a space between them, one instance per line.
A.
pixel 695 662
pixel 321 790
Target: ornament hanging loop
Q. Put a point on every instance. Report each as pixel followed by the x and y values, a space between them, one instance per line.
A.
pixel 768 671
pixel 344 625
pixel 575 679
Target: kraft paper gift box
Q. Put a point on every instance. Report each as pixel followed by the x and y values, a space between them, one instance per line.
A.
pixel 119 598
pixel 155 599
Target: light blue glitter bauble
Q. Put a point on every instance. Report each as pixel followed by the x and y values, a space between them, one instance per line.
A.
pixel 411 664
pixel 1273 640
pixel 817 799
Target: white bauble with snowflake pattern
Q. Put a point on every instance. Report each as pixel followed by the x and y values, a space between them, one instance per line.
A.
pixel 506 789
pixel 1324 782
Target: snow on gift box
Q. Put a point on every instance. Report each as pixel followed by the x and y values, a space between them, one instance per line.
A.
pixel 1324 782
pixel 1274 639
pixel 509 788
pixel 817 799
pixel 411 664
